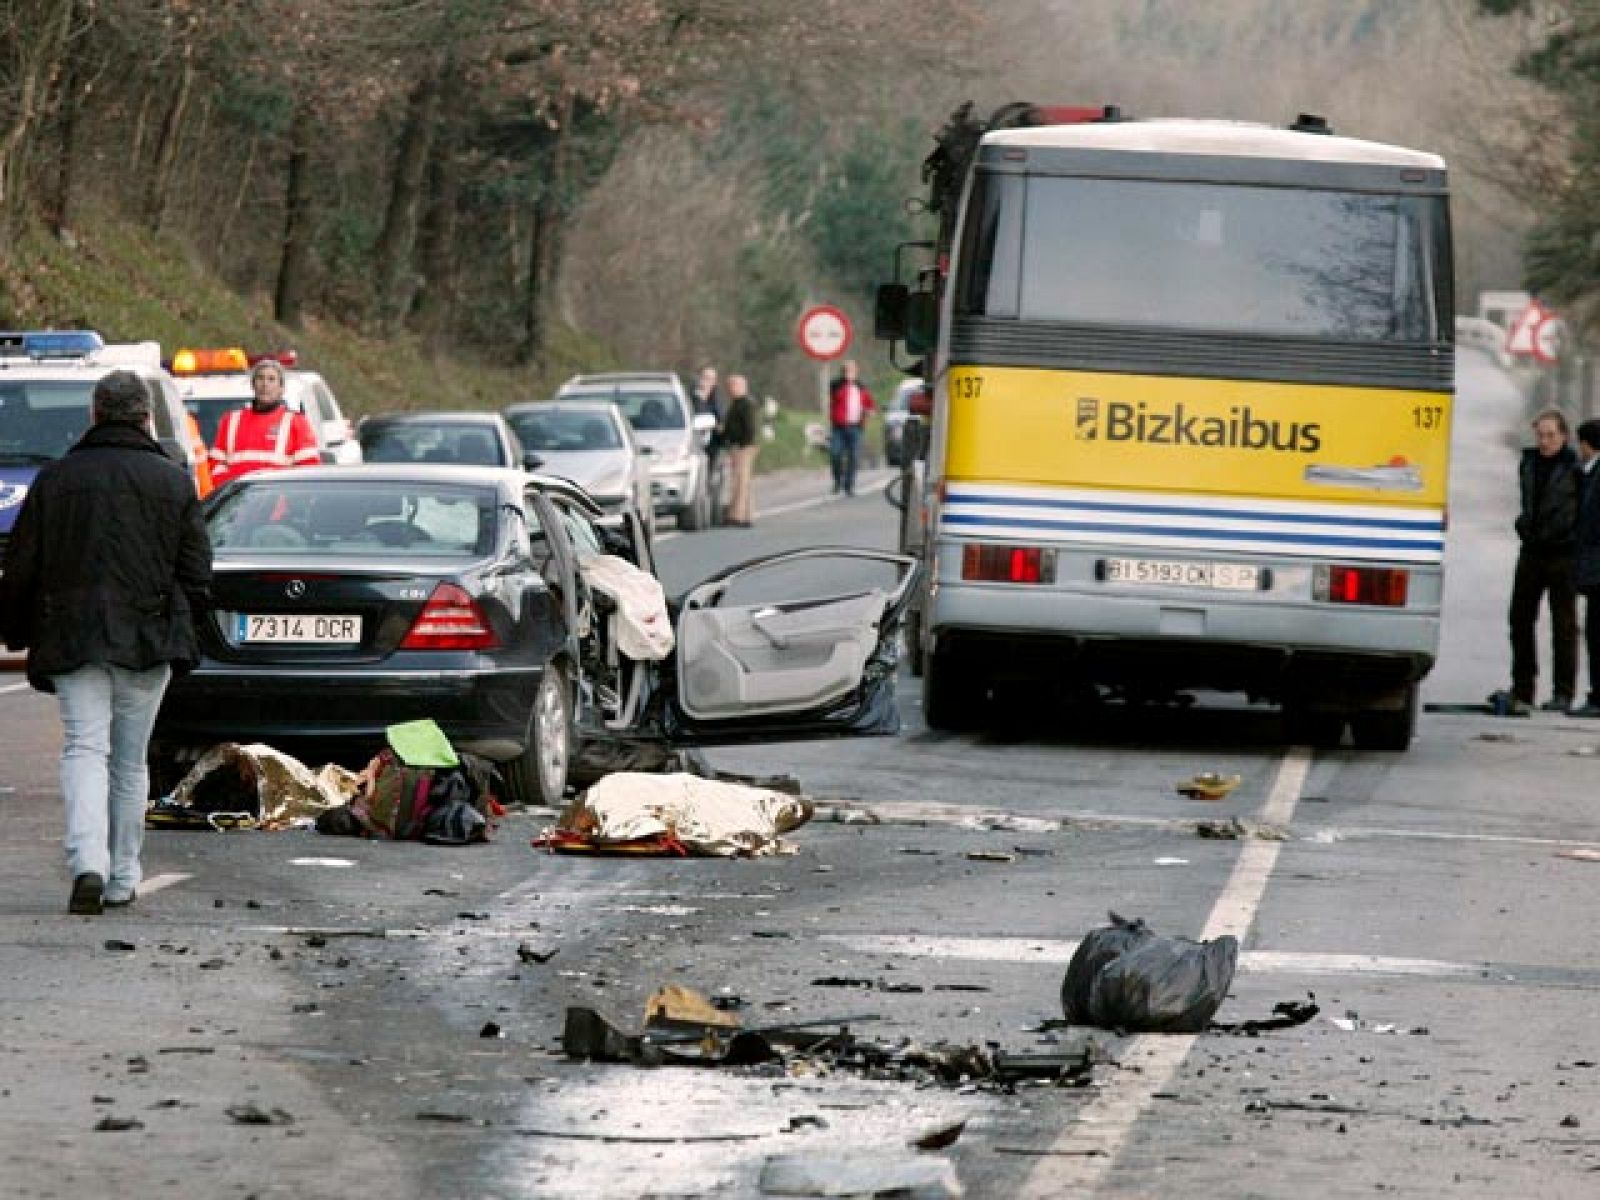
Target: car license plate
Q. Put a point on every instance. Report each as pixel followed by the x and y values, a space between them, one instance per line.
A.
pixel 303 628
pixel 1232 577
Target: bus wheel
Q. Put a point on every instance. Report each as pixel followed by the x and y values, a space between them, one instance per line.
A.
pixel 1387 729
pixel 951 694
pixel 1319 730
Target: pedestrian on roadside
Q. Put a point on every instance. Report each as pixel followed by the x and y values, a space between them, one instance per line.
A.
pixel 107 563
pixel 741 433
pixel 1548 476
pixel 1586 563
pixel 706 399
pixel 706 396
pixel 849 402
pixel 267 435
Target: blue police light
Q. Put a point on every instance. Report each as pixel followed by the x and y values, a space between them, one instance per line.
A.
pixel 51 343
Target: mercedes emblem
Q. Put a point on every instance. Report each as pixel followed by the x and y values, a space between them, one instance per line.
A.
pixel 295 588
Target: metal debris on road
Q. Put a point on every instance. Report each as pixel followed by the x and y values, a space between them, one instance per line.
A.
pixel 1209 785
pixel 994 856
pixel 528 954
pixel 249 1114
pixel 940 1136
pixel 117 1124
pixel 1235 828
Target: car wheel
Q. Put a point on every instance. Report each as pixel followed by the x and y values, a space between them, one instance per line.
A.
pixel 538 776
pixel 1386 729
pixel 692 515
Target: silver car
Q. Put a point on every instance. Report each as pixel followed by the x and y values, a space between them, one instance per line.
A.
pixel 590 443
pixel 674 438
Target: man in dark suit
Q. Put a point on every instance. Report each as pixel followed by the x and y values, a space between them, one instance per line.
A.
pixel 1586 563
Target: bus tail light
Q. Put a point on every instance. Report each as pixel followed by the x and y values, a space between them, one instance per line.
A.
pixel 1007 564
pixel 1384 587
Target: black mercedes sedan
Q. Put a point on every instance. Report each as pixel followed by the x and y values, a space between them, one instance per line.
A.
pixel 508 608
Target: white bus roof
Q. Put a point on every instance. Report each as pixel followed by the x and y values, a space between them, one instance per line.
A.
pixel 1237 139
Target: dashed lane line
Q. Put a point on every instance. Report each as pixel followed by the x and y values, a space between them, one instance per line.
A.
pixel 1084 1152
pixel 14 687
pixel 157 883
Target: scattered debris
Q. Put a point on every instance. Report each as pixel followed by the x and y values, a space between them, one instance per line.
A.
pixel 1168 861
pixel 249 1114
pixel 680 1009
pixel 1209 785
pixel 917 1178
pixel 119 945
pixel 1125 976
pixel 805 1121
pixel 450 1118
pixel 1009 823
pixel 995 856
pixel 491 1030
pixel 681 814
pixel 528 954
pixel 1496 737
pixel 117 1124
pixel 1235 828
pixel 1570 1121
pixel 265 787
pixel 940 1136
pixel 1286 1015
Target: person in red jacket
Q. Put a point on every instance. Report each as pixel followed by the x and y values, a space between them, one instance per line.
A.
pixel 266 436
pixel 849 402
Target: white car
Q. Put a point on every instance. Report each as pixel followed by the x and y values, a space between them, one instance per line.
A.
pixel 590 443
pixel 656 405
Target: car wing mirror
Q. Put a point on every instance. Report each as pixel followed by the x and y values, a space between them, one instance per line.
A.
pixel 647 450
pixel 704 422
pixel 531 461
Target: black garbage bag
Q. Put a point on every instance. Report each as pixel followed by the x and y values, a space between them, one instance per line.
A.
pixel 1125 976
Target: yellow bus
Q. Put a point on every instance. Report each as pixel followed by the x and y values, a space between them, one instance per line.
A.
pixel 1192 387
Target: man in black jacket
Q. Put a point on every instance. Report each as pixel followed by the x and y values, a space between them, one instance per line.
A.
pixel 1547 526
pixel 107 561
pixel 1586 564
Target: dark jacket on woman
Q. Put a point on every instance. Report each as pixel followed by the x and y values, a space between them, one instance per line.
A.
pixel 741 425
pixel 1548 520
pixel 108 560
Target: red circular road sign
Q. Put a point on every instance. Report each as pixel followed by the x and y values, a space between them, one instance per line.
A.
pixel 824 332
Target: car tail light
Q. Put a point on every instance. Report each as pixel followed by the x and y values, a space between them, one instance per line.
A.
pixel 450 620
pixel 1381 586
pixel 1008 564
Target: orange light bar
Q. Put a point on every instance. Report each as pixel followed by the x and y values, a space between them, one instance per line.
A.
pixel 1382 587
pixel 200 362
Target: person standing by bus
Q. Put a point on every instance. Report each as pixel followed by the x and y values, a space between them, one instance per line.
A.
pixel 1548 477
pixel 849 402
pixel 1586 563
pixel 265 436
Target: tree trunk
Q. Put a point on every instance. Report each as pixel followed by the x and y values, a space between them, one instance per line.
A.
pixel 393 252
pixel 544 245
pixel 72 89
pixel 436 235
pixel 167 138
pixel 41 41
pixel 288 301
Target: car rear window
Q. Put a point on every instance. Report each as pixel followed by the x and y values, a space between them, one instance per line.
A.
pixel 354 518
pixel 554 430
pixel 416 441
pixel 647 408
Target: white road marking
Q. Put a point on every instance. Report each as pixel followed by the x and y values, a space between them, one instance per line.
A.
pixel 157 882
pixel 797 506
pixel 14 687
pixel 1058 952
pixel 1082 1154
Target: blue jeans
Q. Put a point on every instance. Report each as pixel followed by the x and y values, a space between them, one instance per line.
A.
pixel 107 713
pixel 844 451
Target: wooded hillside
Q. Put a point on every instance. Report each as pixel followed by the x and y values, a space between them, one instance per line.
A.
pixel 653 182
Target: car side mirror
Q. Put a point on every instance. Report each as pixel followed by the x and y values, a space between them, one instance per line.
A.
pixel 531 461
pixel 646 450
pixel 920 402
pixel 704 422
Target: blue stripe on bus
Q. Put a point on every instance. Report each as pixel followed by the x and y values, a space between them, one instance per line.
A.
pixel 1173 510
pixel 1226 535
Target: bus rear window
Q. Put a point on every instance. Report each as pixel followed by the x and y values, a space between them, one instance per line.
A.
pixel 1229 258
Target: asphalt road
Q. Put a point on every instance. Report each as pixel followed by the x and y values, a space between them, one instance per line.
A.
pixel 1425 899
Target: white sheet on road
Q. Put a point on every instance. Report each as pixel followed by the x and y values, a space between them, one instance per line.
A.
pixel 706 815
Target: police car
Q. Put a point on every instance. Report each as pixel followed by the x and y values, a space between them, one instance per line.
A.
pixel 47 383
pixel 213 381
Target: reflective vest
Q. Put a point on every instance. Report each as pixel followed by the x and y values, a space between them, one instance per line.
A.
pixel 197 452
pixel 248 441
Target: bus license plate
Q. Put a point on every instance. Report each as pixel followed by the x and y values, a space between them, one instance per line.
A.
pixel 1232 577
pixel 303 628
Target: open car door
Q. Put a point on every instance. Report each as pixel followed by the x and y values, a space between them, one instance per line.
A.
pixel 794 645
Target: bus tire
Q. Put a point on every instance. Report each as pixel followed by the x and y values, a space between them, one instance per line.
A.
pixel 1386 729
pixel 950 697
pixel 1317 729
